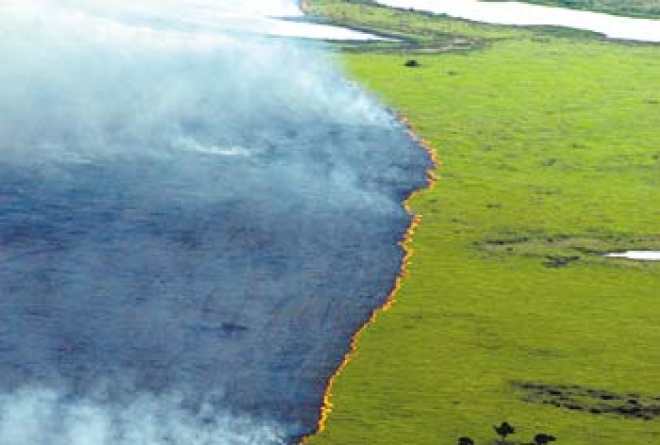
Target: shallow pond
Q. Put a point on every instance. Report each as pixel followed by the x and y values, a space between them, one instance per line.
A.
pixel 641 255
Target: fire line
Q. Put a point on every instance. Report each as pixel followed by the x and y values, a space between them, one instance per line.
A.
pixel 405 243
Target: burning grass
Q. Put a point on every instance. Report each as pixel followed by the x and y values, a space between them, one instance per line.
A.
pixel 549 143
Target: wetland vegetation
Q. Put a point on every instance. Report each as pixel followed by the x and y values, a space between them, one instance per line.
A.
pixel 550 156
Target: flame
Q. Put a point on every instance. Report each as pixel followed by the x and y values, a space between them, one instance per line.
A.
pixel 405 243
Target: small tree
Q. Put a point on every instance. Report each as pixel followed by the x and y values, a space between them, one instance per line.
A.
pixel 544 439
pixel 504 430
pixel 465 441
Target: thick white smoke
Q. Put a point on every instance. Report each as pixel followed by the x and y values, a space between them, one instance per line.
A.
pixel 184 212
pixel 126 82
pixel 42 416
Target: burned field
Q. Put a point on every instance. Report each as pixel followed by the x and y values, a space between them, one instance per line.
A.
pixel 191 230
pixel 121 273
pixel 126 273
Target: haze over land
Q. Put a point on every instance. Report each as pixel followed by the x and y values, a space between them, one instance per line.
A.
pixel 193 224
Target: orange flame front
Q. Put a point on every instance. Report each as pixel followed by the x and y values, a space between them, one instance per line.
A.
pixel 405 243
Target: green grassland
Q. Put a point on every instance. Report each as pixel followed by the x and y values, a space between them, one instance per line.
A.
pixel 550 145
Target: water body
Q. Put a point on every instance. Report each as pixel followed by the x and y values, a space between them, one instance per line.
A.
pixel 275 20
pixel 193 223
pixel 523 14
pixel 266 17
pixel 641 255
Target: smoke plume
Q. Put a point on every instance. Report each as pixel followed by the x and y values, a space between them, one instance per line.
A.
pixel 192 224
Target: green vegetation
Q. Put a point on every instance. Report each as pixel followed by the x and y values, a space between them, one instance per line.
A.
pixel 550 144
pixel 631 8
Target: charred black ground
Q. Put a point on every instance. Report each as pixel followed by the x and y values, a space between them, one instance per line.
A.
pixel 190 228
